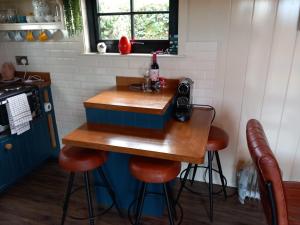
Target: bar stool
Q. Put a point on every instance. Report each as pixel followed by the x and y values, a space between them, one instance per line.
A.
pixel 75 159
pixel 217 141
pixel 159 171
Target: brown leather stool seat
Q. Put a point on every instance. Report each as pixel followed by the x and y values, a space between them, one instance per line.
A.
pixel 151 170
pixel 75 159
pixel 158 171
pixel 217 139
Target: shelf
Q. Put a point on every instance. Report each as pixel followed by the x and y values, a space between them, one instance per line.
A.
pixel 32 26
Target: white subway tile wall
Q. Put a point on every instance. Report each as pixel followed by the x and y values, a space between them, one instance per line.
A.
pixel 77 77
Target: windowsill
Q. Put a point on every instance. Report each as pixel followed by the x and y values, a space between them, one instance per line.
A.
pixel 130 55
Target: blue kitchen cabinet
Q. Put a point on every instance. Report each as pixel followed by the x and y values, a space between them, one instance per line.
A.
pixel 41 146
pixel 7 167
pixel 29 150
pixel 43 139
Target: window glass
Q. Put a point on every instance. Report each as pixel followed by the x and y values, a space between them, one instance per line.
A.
pixel 151 5
pixel 113 6
pixel 113 27
pixel 154 23
pixel 151 26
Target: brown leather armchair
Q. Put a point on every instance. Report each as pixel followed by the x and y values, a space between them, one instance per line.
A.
pixel 280 199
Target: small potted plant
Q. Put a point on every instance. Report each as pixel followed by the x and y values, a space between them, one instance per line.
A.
pixel 73 17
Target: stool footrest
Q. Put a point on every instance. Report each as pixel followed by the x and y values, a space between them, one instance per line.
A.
pixel 99 214
pixel 130 214
pixel 200 193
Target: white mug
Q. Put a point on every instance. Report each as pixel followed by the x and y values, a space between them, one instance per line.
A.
pixel 101 47
pixel 6 37
pixel 18 36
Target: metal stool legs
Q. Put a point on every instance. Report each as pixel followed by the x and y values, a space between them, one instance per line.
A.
pixel 86 180
pixel 183 182
pixel 171 218
pixel 194 174
pixel 172 201
pixel 141 198
pixel 221 174
pixel 210 188
pixel 210 156
pixel 67 197
pixel 110 190
pixel 89 198
pixel 140 203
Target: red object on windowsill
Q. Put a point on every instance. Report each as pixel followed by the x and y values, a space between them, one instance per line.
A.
pixel 124 45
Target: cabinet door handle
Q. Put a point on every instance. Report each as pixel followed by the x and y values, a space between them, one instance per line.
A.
pixel 8 146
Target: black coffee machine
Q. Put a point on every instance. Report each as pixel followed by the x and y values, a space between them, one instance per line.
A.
pixel 183 100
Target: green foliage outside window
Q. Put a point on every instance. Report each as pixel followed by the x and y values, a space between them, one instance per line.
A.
pixel 73 18
pixel 146 26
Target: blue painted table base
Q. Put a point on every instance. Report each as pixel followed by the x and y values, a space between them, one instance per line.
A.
pixel 116 168
pixel 126 186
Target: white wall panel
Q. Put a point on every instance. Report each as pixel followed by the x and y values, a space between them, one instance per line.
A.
pixel 289 134
pixel 295 176
pixel 236 64
pixel 207 19
pixel 280 67
pixel 257 67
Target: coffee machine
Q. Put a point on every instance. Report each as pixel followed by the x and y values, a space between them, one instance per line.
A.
pixel 184 99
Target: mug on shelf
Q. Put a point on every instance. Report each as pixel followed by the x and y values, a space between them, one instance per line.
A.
pixel 5 37
pixel 21 19
pixel 19 36
pixel 58 35
pixel 11 35
pixel 29 36
pixel 11 15
pixel 45 35
pixel 3 16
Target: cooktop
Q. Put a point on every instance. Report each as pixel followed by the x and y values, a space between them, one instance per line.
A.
pixel 10 89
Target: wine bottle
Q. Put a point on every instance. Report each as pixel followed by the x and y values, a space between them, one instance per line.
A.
pixel 154 69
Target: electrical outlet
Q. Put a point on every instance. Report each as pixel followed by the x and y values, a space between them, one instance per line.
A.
pixel 22 60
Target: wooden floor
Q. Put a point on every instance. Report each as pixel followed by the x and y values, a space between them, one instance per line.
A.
pixel 37 200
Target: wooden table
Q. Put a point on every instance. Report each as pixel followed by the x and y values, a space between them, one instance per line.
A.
pixel 178 141
pixel 138 123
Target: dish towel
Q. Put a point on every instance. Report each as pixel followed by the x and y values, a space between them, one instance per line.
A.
pixel 19 114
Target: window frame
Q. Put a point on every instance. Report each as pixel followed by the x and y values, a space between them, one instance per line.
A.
pixel 112 45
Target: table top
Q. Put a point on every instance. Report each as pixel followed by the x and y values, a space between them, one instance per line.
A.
pixel 179 141
pixel 123 99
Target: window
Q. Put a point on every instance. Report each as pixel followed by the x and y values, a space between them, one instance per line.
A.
pixel 152 24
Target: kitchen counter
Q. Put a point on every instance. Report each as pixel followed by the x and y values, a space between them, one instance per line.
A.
pixel 40 84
